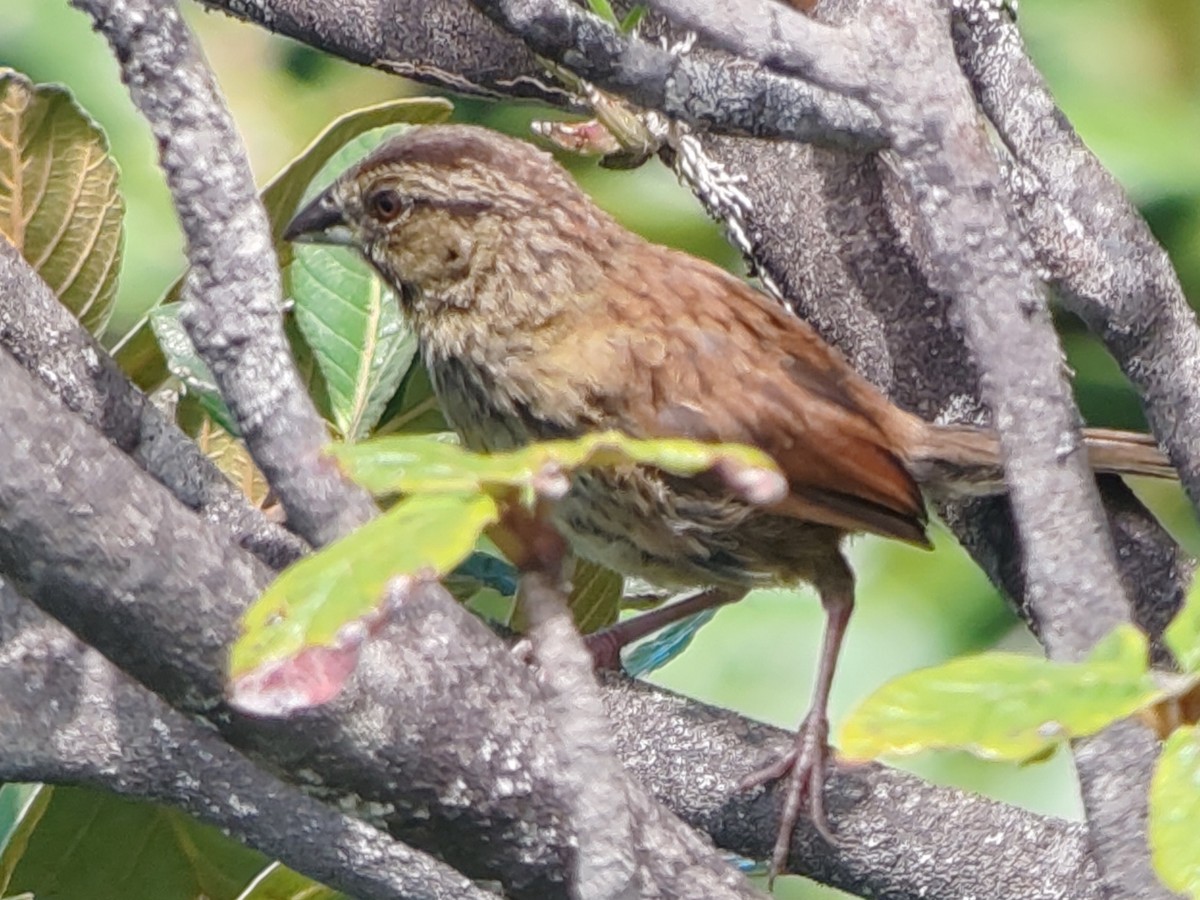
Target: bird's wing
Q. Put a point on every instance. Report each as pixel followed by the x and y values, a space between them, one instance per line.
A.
pixel 701 355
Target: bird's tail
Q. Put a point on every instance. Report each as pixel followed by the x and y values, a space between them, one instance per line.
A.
pixel 965 459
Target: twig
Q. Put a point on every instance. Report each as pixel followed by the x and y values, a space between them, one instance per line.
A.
pixel 232 293
pixel 599 786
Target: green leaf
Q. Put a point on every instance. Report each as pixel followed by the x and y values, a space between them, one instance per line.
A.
pixel 59 203
pixel 409 464
pixel 633 19
pixel 1183 634
pixel 414 408
pixel 140 357
pixel 186 365
pixel 1003 706
pixel 281 197
pixel 348 317
pixel 312 602
pixel 301 639
pixel 352 323
pixel 657 651
pixel 604 10
pixel 21 808
pixel 595 598
pixel 278 882
pixel 96 845
pixel 1175 812
pixel 482 571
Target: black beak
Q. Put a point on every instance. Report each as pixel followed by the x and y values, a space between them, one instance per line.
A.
pixel 320 222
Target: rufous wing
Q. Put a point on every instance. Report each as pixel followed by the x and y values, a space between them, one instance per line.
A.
pixel 704 356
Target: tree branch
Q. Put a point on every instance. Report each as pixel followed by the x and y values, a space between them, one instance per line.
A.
pixel 889 824
pixel 232 295
pixel 44 337
pixel 1094 248
pixel 605 823
pixel 69 716
pixel 695 88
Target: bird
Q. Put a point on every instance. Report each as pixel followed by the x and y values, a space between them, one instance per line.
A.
pixel 539 316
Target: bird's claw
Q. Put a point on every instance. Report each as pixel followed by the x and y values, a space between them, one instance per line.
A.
pixel 805 766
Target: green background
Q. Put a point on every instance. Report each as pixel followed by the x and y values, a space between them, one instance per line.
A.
pixel 1126 73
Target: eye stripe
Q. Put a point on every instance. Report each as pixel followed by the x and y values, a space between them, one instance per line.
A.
pixel 451 205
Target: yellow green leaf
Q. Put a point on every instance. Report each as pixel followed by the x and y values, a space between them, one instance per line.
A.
pixel 595 598
pixel 323 600
pixel 1175 812
pixel 278 882
pixel 409 464
pixel 59 202
pixel 1004 706
pixel 186 365
pixel 1183 634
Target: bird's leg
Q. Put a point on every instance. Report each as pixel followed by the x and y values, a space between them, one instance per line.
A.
pixel 607 643
pixel 806 764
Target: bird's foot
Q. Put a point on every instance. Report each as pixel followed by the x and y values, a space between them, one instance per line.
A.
pixel 805 766
pixel 605 646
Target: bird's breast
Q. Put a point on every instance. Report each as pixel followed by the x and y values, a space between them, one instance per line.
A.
pixel 486 405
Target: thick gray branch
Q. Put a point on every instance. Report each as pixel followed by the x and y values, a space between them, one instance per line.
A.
pixel 696 88
pixel 974 254
pixel 866 802
pixel 69 716
pixel 774 35
pixel 232 294
pixel 44 337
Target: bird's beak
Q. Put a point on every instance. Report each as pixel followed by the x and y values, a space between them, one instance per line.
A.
pixel 321 222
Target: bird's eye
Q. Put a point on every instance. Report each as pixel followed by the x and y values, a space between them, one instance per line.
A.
pixel 385 204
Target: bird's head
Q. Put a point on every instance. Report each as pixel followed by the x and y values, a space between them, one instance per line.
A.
pixel 439 206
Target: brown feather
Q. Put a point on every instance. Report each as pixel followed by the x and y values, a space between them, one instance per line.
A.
pixel 741 371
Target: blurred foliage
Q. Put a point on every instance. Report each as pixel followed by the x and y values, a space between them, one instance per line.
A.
pixel 1126 73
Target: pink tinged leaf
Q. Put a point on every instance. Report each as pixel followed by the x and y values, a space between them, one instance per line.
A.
pixel 761 487
pixel 316 674
pixel 312 677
